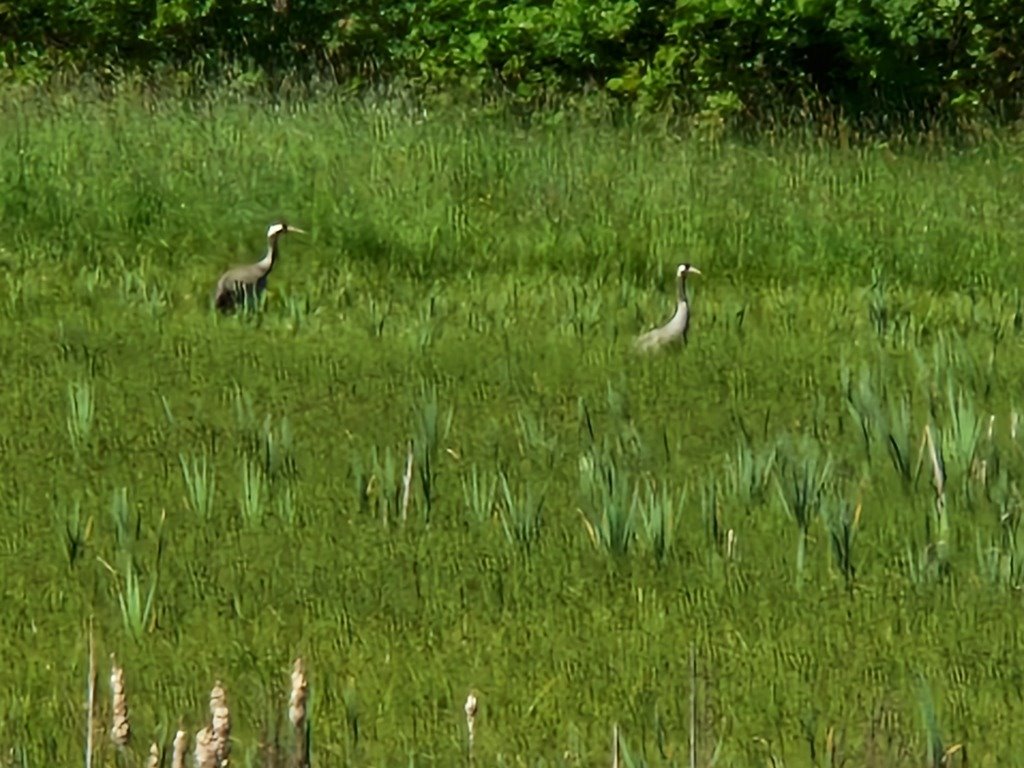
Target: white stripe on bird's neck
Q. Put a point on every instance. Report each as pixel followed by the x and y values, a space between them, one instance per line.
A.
pixel 268 261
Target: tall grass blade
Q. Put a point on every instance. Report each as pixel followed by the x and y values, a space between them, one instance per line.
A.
pixel 253 493
pixel 200 485
pixel 521 512
pixel 81 414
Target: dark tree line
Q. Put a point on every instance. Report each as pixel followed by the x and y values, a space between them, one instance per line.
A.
pixel 732 56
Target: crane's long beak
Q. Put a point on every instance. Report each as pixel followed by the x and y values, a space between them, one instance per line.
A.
pixel 694 270
pixel 296 229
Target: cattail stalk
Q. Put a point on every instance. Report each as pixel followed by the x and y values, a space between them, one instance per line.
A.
pixel 120 729
pixel 206 753
pixel 180 749
pixel 471 707
pixel 297 713
pixel 693 704
pixel 154 756
pixel 90 701
pixel 220 726
pixel 615 746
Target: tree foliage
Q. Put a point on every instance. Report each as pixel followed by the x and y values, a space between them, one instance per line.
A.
pixel 730 56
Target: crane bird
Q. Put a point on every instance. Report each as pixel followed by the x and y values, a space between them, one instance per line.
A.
pixel 674 330
pixel 245 284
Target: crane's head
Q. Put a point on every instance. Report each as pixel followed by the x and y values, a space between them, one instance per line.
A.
pixel 687 269
pixel 280 228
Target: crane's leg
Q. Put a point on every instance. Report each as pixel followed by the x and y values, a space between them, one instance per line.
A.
pixel 248 297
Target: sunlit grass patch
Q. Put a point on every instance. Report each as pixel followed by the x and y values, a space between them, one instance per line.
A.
pixel 431 462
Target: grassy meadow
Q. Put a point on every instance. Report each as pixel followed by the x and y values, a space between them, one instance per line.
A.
pixel 820 495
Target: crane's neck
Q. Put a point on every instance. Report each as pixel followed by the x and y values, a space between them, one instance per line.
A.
pixel 267 262
pixel 681 289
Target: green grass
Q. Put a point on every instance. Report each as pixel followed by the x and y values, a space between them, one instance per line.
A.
pixel 219 495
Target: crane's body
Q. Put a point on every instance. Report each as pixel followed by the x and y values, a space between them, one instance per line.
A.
pixel 245 284
pixel 675 330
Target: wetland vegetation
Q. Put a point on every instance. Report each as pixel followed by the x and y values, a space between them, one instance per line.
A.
pixel 432 463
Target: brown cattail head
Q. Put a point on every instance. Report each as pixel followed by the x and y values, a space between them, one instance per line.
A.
pixel 206 753
pixel 154 756
pixel 300 692
pixel 180 748
pixel 120 729
pixel 471 718
pixel 220 726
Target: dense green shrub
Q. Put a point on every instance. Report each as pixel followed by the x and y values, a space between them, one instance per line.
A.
pixel 727 56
